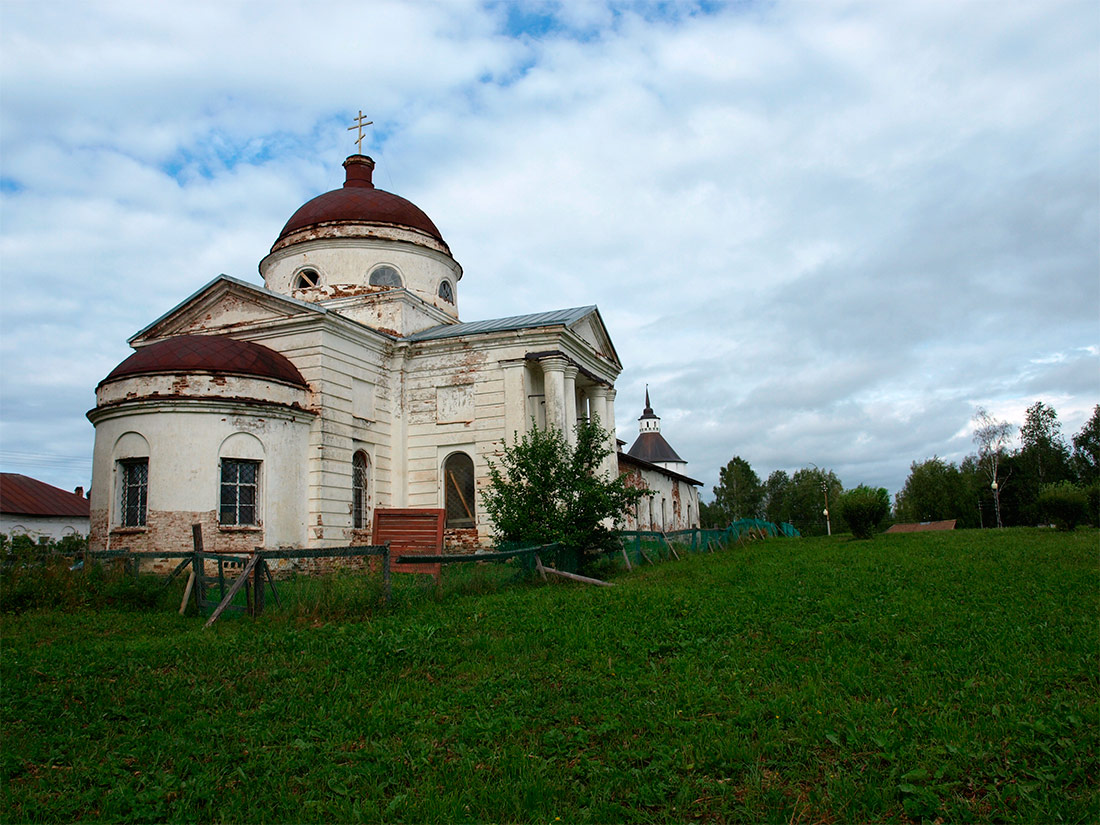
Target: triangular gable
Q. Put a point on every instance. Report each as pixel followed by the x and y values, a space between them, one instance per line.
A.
pixel 591 328
pixel 224 304
pixel 584 322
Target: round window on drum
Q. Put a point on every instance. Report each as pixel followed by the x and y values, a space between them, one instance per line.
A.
pixel 307 278
pixel 385 276
pixel 447 292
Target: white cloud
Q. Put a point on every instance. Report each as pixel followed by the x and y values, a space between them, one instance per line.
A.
pixel 820 232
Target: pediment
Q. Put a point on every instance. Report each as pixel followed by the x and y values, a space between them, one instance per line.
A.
pixel 226 305
pixel 591 329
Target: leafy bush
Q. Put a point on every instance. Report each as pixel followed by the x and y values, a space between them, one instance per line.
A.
pixel 1064 504
pixel 1092 495
pixel 546 491
pixel 51 575
pixel 864 509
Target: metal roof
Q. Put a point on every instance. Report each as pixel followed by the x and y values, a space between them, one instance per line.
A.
pixel 627 458
pixel 26 496
pixel 557 317
pixel 359 202
pixel 652 447
pixel 209 353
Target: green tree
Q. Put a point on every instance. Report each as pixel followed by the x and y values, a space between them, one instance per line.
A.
pixel 710 516
pixel 1043 459
pixel 863 509
pixel 776 506
pixel 1063 504
pixel 545 490
pixel 739 493
pixel 805 498
pixel 1086 450
pixel 935 491
pixel 1043 451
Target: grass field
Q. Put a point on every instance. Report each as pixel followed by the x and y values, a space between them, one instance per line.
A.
pixel 949 676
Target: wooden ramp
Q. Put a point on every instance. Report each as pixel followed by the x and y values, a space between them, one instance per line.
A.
pixel 411 532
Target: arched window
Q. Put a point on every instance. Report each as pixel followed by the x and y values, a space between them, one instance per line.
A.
pixel 458 490
pixel 385 276
pixel 306 279
pixel 134 491
pixel 360 490
pixel 447 292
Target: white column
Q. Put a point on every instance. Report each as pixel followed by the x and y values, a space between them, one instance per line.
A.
pixel 597 399
pixel 553 373
pixel 597 404
pixel 613 443
pixel 570 404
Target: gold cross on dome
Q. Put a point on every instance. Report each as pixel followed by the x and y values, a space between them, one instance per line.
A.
pixel 359 124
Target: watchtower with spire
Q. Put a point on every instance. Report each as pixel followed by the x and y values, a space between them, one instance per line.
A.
pixel 651 445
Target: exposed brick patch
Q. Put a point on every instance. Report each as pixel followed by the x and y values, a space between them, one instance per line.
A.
pixel 461 540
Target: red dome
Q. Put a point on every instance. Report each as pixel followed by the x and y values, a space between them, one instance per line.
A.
pixel 209 353
pixel 359 202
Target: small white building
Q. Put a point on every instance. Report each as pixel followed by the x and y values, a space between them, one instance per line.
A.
pixel 33 508
pixel 282 415
pixel 653 464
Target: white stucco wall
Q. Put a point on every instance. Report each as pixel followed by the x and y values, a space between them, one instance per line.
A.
pixel 345 264
pixel 49 527
pixel 184 440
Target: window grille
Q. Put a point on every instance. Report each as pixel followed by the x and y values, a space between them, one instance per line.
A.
pixel 458 486
pixel 360 466
pixel 239 492
pixel 385 276
pixel 135 491
pixel 446 292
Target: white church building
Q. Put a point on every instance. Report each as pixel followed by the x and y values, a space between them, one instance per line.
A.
pixel 282 415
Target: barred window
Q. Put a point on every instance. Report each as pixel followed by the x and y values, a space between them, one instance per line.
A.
pixel 134 490
pixel 239 492
pixel 458 484
pixel 446 292
pixel 360 494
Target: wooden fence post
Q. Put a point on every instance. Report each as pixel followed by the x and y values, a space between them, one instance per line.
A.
pixel 386 574
pixel 198 567
pixel 258 588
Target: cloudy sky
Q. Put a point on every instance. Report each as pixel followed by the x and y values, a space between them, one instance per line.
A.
pixel 821 232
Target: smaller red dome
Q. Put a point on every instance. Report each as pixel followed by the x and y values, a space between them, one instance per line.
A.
pixel 359 202
pixel 209 353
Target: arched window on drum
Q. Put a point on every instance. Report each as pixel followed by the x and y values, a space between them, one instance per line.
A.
pixel 458 490
pixel 360 490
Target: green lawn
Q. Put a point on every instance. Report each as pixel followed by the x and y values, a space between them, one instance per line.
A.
pixel 913 677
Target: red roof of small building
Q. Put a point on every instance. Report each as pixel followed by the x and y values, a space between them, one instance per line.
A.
pixel 359 202
pixel 26 496
pixel 209 353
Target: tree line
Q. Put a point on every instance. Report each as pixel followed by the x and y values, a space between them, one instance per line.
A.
pixel 1045 479
pixel 1003 485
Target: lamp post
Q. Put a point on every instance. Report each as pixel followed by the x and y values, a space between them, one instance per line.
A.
pixel 825 512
